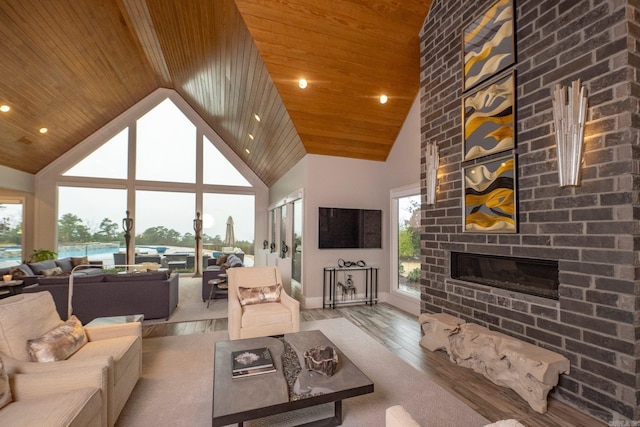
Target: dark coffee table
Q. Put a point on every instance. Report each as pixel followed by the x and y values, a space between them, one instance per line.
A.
pixel 242 399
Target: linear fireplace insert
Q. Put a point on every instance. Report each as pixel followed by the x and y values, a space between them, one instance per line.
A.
pixel 530 276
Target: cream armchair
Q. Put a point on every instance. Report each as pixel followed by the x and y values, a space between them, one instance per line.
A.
pixel 263 318
pixel 58 398
pixel 119 347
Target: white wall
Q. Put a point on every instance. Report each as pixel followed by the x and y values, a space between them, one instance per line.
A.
pixel 293 180
pixel 403 169
pixel 12 179
pixel 351 183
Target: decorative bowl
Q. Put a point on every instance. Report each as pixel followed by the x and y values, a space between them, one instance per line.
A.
pixel 322 359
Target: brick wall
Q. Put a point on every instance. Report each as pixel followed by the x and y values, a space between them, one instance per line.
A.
pixel 591 230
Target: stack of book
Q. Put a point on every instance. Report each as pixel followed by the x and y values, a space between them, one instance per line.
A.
pixel 251 362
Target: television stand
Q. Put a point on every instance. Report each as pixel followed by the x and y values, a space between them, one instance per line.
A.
pixel 340 286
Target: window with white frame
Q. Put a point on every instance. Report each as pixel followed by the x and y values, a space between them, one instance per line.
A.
pixel 161 189
pixel 11 219
pixel 405 241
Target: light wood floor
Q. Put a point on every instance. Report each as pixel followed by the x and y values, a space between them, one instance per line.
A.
pixel 400 333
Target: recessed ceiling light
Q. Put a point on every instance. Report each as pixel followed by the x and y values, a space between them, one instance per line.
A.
pixel 257 117
pixel 302 83
pixel 43 130
pixel 247 150
pixel 383 99
pixel 251 136
pixel 4 108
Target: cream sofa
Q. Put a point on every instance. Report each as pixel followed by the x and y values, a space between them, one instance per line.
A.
pixel 74 397
pixel 263 319
pixel 118 347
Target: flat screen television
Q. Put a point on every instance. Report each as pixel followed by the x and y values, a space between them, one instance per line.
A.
pixel 340 228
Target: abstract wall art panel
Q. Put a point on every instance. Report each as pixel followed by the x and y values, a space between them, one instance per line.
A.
pixel 488 119
pixel 488 44
pixel 489 197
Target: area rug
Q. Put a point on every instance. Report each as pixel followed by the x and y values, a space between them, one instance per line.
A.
pixel 190 305
pixel 176 387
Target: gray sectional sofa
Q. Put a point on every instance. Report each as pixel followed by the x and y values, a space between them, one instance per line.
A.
pixel 153 294
pixel 31 272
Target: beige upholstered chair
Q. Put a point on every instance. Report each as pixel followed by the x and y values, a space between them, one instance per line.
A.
pixel 263 318
pixel 119 347
pixel 76 396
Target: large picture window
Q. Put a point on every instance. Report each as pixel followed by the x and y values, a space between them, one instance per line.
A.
pixel 107 161
pixel 89 221
pixel 217 209
pixel 159 223
pixel 166 145
pixel 162 190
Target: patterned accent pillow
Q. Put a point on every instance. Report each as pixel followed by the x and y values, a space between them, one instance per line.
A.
pixel 59 343
pixel 55 271
pixel 76 261
pixel 39 267
pixel 17 272
pixel 258 295
pixel 65 264
pixel 5 390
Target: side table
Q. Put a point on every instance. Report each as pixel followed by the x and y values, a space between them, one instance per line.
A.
pixel 218 286
pixel 115 320
pixel 11 287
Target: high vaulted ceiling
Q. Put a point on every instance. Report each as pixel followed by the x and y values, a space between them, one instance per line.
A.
pixel 74 65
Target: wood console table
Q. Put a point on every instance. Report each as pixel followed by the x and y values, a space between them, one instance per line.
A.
pixel 337 277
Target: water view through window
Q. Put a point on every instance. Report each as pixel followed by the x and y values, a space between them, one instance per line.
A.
pixel 10 233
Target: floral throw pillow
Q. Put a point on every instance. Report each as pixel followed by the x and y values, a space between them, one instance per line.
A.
pixel 258 295
pixel 76 261
pixel 56 271
pixel 59 343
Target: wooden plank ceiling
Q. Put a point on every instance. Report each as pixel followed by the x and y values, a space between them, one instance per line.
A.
pixel 73 66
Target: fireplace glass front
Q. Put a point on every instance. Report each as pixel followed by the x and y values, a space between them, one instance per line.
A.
pixel 526 275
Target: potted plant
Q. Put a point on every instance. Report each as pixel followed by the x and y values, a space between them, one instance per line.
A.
pixel 42 255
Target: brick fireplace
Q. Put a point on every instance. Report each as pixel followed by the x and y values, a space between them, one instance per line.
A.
pixel 590 232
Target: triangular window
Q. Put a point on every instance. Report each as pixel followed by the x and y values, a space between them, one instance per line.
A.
pixel 107 161
pixel 218 170
pixel 166 145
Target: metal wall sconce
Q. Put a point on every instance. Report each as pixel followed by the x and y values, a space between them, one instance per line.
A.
pixel 432 160
pixel 569 114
